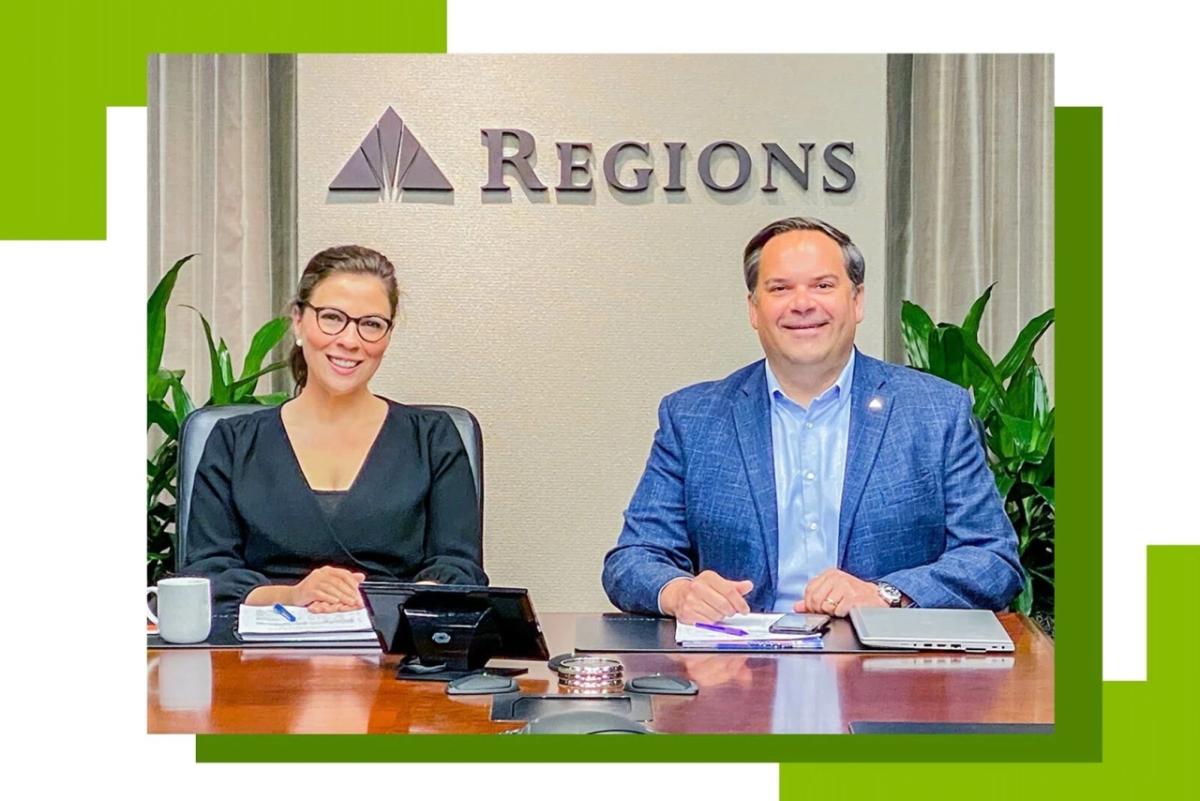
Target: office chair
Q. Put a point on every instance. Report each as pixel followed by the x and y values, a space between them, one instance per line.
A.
pixel 199 424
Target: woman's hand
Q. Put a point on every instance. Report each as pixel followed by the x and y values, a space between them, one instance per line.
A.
pixel 329 585
pixel 324 607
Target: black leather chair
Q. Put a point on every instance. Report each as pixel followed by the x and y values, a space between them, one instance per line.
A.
pixel 199 424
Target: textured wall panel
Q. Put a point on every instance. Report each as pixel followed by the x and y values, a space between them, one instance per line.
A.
pixel 562 320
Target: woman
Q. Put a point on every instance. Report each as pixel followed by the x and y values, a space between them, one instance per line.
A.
pixel 298 504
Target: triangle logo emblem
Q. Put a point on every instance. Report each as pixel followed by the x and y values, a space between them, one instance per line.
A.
pixel 391 159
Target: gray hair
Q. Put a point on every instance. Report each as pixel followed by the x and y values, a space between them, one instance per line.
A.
pixel 856 267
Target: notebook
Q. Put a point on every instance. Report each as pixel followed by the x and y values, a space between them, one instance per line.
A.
pixel 757 636
pixel 265 624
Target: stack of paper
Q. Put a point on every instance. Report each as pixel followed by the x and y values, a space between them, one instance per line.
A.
pixel 265 624
pixel 757 636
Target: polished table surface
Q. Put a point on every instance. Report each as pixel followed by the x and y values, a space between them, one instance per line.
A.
pixel 354 691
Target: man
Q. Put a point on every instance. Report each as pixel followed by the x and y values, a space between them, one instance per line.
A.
pixel 818 480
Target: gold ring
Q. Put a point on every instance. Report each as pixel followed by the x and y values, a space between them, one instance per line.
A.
pixel 830 602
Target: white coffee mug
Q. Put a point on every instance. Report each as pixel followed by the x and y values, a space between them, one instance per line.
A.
pixel 184 609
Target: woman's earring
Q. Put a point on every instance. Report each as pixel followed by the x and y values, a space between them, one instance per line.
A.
pixel 299 342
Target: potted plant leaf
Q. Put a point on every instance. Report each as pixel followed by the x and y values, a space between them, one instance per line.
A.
pixel 168 403
pixel 1010 399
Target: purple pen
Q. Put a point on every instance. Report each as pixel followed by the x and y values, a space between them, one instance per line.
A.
pixel 723 629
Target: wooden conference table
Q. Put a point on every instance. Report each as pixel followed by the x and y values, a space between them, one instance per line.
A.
pixel 264 691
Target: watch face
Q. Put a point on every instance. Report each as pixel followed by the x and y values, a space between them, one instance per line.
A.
pixel 890 594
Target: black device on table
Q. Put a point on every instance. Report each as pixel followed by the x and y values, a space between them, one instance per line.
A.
pixel 800 623
pixel 451 630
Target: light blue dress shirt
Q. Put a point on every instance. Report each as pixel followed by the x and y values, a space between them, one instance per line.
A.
pixel 810 468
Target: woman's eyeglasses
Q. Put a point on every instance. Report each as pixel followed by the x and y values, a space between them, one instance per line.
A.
pixel 331 321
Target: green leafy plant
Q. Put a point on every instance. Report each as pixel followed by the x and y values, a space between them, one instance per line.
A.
pixel 1011 401
pixel 168 403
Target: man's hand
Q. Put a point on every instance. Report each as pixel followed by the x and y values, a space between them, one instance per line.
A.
pixel 707 598
pixel 330 585
pixel 835 592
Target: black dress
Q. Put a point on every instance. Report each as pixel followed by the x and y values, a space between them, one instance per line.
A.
pixel 411 513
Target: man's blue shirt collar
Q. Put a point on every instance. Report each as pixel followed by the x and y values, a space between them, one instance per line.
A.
pixel 837 392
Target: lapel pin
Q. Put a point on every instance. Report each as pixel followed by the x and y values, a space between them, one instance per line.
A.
pixel 876 404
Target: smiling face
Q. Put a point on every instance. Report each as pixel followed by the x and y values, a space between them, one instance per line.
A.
pixel 804 307
pixel 342 363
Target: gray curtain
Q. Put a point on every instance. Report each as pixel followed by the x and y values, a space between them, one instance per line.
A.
pixel 222 185
pixel 971 192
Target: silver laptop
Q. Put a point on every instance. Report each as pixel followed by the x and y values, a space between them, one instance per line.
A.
pixel 930 629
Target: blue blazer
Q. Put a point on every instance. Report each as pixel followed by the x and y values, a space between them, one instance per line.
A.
pixel 920 507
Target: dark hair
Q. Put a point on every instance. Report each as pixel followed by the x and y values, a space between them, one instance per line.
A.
pixel 352 259
pixel 856 268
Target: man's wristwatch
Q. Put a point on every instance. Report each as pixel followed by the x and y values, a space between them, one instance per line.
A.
pixel 889 593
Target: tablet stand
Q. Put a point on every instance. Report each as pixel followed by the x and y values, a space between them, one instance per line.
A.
pixel 452 638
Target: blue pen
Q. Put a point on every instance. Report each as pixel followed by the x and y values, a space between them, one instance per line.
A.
pixel 723 629
pixel 288 616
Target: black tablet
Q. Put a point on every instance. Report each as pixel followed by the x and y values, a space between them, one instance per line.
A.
pixel 446 630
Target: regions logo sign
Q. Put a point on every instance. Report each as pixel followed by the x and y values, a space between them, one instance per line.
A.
pixel 390 159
